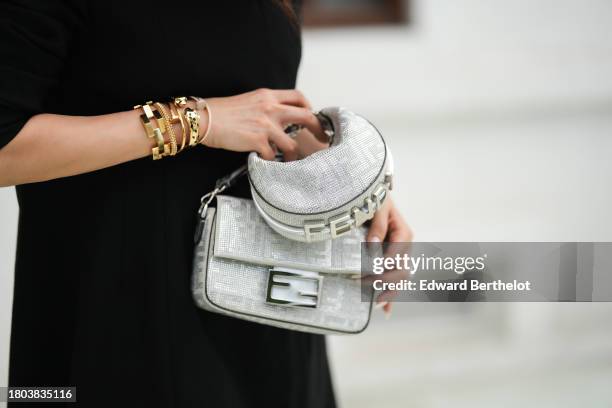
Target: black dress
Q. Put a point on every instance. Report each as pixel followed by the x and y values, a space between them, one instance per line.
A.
pixel 102 279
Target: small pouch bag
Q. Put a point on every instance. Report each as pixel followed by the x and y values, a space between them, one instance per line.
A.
pixel 330 192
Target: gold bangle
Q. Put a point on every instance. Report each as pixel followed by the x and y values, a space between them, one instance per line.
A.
pixel 152 132
pixel 202 105
pixel 200 102
pixel 152 112
pixel 163 148
pixel 178 117
pixel 209 123
pixel 193 117
pixel 181 102
pixel 161 124
pixel 168 124
pixel 146 123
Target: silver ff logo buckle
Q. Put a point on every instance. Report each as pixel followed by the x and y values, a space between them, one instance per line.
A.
pixel 293 287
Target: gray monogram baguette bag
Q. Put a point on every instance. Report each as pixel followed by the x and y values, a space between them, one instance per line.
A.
pixel 276 267
pixel 243 269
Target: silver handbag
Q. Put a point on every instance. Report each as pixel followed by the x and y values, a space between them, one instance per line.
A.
pixel 331 191
pixel 277 261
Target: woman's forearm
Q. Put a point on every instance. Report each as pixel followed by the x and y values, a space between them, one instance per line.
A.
pixel 53 146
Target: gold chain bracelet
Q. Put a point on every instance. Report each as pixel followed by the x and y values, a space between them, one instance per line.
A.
pixel 175 115
pixel 166 119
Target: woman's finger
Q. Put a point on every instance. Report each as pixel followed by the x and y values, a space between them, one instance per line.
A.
pixel 392 275
pixel 387 309
pixel 386 296
pixel 380 223
pixel 399 231
pixel 264 148
pixel 294 115
pixel 308 143
pixel 291 97
pixel 284 143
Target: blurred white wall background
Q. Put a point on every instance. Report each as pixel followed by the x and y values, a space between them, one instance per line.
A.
pixel 500 117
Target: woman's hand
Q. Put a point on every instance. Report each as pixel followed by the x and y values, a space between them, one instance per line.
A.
pixel 389 225
pixel 253 121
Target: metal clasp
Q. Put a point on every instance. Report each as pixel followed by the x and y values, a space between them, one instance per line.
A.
pixel 220 186
pixel 207 199
pixel 204 203
pixel 293 287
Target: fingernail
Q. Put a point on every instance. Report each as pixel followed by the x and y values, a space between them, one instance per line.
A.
pixel 374 239
pixel 355 277
pixel 380 305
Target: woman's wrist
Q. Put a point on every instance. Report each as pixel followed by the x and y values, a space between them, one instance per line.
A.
pixel 175 125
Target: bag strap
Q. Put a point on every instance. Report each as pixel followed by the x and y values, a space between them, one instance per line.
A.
pixel 226 182
pixel 221 185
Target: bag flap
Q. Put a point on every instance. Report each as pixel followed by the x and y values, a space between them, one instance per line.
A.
pixel 241 234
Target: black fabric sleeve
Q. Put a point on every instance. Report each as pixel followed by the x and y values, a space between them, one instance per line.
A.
pixel 35 39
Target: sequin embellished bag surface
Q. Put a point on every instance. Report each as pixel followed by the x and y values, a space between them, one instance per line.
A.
pixel 287 263
pixel 331 191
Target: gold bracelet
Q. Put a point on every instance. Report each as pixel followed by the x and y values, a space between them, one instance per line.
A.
pixel 193 117
pixel 200 102
pixel 168 124
pixel 203 138
pixel 161 124
pixel 163 148
pixel 175 115
pixel 152 132
pixel 202 105
pixel 180 101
